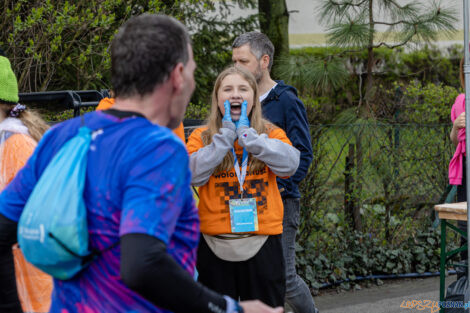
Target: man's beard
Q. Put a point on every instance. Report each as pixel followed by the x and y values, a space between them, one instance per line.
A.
pixel 258 74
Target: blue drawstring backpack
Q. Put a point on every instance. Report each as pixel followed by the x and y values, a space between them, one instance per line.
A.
pixel 52 230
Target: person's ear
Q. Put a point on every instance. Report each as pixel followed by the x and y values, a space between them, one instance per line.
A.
pixel 265 62
pixel 176 77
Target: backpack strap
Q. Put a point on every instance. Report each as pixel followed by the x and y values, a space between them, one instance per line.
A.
pixel 87 258
pixel 96 253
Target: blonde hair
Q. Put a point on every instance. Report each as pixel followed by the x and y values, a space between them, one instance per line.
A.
pixel 32 120
pixel 214 122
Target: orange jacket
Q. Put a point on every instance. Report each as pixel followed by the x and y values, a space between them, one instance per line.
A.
pixel 107 103
pixel 16 150
pixel 214 196
pixel 34 287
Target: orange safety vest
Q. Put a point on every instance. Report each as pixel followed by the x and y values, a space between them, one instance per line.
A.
pixel 34 287
pixel 214 196
pixel 107 103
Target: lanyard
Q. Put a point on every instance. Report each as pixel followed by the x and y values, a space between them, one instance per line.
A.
pixel 241 176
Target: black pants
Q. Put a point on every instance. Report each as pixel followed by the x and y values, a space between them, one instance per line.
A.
pixel 9 301
pixel 262 277
pixel 462 197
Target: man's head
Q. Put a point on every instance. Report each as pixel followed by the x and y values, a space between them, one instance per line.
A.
pixel 151 51
pixel 255 52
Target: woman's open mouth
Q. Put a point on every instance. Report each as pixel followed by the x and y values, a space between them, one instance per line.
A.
pixel 235 108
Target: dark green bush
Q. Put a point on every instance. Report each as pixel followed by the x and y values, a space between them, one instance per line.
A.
pixel 62 45
pixel 343 255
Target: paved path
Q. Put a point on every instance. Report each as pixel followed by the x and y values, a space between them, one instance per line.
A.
pixel 383 299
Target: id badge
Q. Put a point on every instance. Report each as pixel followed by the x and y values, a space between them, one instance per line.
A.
pixel 243 215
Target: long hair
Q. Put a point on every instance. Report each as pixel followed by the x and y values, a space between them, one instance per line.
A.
pixel 32 120
pixel 214 122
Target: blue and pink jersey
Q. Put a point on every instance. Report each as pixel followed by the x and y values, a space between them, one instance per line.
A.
pixel 138 181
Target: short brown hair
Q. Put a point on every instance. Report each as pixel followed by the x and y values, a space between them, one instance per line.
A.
pixel 145 51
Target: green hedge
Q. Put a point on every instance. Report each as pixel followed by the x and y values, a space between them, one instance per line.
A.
pixel 394 68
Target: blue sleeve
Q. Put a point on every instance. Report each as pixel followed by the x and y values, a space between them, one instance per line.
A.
pixel 14 197
pixel 156 191
pixel 297 130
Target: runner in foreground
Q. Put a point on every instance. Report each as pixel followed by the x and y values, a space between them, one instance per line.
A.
pixel 137 189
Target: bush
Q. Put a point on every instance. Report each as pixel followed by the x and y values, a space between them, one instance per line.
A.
pixel 62 45
pixel 393 68
pixel 429 104
pixel 343 255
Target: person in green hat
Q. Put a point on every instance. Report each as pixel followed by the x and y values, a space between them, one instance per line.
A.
pixel 19 126
pixel 20 130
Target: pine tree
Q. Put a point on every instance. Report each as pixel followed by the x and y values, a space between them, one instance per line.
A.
pixel 353 25
pixel 357 26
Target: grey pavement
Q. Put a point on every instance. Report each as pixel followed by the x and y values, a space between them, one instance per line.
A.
pixel 388 298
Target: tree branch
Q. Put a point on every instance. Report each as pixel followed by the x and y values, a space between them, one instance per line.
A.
pixel 394 46
pixel 396 4
pixel 350 3
pixel 340 54
pixel 415 32
pixel 396 23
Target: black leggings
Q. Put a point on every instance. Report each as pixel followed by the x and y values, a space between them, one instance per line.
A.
pixel 9 302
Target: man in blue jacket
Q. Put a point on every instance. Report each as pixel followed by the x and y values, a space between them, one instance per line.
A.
pixel 280 103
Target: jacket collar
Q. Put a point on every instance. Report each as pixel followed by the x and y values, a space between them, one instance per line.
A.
pixel 276 92
pixel 13 125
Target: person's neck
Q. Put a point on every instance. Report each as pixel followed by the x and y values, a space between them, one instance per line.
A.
pixel 148 106
pixel 265 84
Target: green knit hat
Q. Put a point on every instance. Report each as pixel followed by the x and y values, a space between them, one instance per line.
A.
pixel 8 83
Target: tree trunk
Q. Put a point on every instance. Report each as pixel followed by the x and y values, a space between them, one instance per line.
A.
pixel 349 196
pixel 370 62
pixel 274 22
